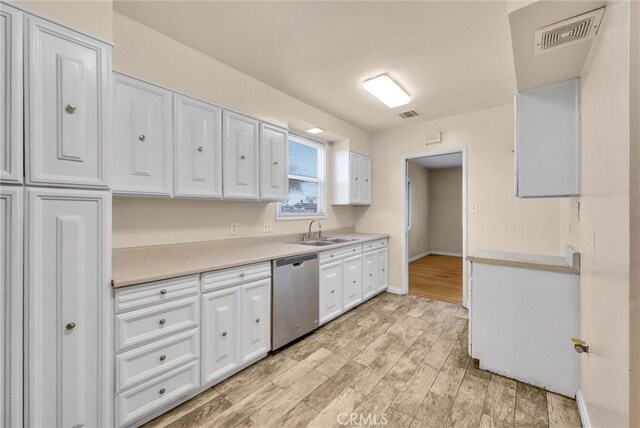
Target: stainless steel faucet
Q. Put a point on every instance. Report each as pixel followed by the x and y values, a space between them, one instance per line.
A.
pixel 319 234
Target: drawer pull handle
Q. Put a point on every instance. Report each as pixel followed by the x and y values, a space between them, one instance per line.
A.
pixel 162 321
pixel 242 275
pixel 163 291
pixel 163 357
pixel 224 333
pixel 70 326
pixel 70 108
pixel 257 319
pixel 162 391
pixel 142 137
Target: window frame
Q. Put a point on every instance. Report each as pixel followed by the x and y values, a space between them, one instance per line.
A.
pixel 322 148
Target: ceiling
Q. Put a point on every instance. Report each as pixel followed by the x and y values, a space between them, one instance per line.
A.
pixel 452 57
pixel 450 160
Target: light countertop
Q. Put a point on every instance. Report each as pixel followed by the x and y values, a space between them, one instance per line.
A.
pixel 570 263
pixel 144 264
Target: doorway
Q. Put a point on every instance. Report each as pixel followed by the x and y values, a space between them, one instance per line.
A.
pixel 434 224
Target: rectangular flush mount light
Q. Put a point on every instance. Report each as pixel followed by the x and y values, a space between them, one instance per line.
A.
pixel 387 91
pixel 315 130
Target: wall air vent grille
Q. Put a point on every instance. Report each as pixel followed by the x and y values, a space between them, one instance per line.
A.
pixel 408 114
pixel 578 28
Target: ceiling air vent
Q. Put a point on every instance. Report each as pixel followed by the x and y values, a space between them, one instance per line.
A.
pixel 407 114
pixel 576 29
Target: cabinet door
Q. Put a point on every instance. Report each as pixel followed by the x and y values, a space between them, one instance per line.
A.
pixel 198 130
pixel 11 306
pixel 274 182
pixel 256 319
pixel 10 95
pixel 143 142
pixel 68 377
pixel 220 341
pixel 240 151
pixel 66 111
pixel 330 291
pixel 383 275
pixel 365 181
pixel 369 274
pixel 354 178
pixel 351 282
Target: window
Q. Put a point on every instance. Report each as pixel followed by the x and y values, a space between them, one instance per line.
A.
pixel 306 180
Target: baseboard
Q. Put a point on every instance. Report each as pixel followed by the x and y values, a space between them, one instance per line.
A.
pixel 394 290
pixel 445 253
pixel 582 409
pixel 419 256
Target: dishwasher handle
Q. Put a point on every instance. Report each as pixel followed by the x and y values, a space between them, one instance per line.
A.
pixel 296 261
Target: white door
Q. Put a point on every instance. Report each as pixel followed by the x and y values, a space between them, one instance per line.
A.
pixel 383 275
pixel 198 130
pixel 354 178
pixel 274 184
pixel 330 291
pixel 11 306
pixel 142 155
pixel 10 94
pixel 240 151
pixel 351 282
pixel 365 194
pixel 68 376
pixel 66 111
pixel 369 274
pixel 256 319
pixel 220 341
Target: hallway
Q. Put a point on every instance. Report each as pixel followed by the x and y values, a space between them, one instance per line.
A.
pixel 437 277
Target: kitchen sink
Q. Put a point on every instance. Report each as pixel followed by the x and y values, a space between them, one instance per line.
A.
pixel 323 242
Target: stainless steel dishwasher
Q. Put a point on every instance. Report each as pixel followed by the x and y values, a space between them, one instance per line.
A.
pixel 295 304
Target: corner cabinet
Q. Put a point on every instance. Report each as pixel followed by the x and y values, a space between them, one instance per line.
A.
pixel 241 157
pixel 351 178
pixel 68 344
pixel 274 178
pixel 548 141
pixel 11 98
pixel 198 148
pixel 142 161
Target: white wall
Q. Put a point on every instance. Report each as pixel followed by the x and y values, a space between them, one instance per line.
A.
pixel 419 233
pixel 445 210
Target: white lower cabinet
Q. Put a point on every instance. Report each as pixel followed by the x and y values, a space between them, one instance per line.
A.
pixel 220 341
pixel 68 380
pixel 369 274
pixel 256 319
pixel 330 291
pixel 351 282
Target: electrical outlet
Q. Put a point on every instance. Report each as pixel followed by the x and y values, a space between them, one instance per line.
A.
pixel 234 228
pixel 267 227
pixel 474 208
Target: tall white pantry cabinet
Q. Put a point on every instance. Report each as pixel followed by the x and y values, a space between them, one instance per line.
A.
pixel 55 302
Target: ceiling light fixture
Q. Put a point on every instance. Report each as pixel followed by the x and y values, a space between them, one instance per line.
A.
pixel 387 91
pixel 315 130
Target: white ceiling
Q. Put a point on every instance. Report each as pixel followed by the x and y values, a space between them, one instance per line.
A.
pixel 452 57
pixel 450 160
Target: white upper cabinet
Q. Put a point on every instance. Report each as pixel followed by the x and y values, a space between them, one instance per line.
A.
pixel 198 131
pixel 66 106
pixel 69 355
pixel 273 163
pixel 548 141
pixel 240 151
pixel 142 161
pixel 10 95
pixel 351 178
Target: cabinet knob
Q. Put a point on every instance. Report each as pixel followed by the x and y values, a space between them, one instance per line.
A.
pixel 333 291
pixel 242 275
pixel 354 281
pixel 163 357
pixel 275 162
pixel 224 333
pixel 70 326
pixel 200 149
pixel 367 180
pixel 70 108
pixel 142 137
pixel 257 319
pixel 383 269
pixel 163 291
pixel 332 255
pixel 356 178
pixel 162 321
pixel 370 274
pixel 162 391
pixel 242 157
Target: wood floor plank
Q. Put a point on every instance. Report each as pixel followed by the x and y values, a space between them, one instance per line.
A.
pixel 395 419
pixel 371 352
pixel 183 409
pixel 489 422
pixel 434 409
pixel 437 277
pixel 408 363
pixel 300 416
pixel 467 405
pixel 342 404
pixel 531 407
pixel 501 399
pixel 380 398
pixel 416 389
pixel 325 393
pixel 237 413
pixel 291 376
pixel 450 377
pixel 202 413
pixel 562 411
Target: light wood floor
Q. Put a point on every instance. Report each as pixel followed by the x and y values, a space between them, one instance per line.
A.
pixel 437 277
pixel 399 359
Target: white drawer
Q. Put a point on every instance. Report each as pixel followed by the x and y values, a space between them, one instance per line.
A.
pixel 145 325
pixel 156 358
pixel 374 245
pixel 139 296
pixel 234 276
pixel 333 255
pixel 142 400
